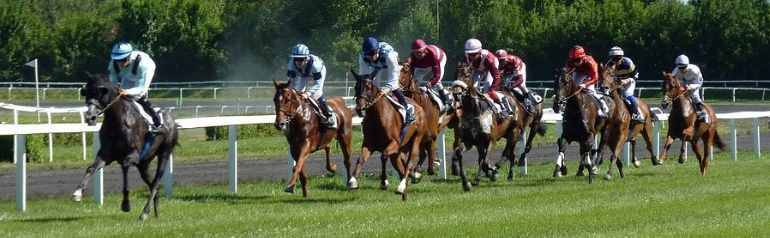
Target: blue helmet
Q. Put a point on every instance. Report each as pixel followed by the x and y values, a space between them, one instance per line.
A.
pixel 121 50
pixel 300 51
pixel 370 44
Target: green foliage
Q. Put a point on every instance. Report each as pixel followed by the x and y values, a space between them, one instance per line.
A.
pixel 249 40
pixel 244 132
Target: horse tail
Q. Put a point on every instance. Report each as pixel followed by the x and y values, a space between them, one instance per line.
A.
pixel 718 141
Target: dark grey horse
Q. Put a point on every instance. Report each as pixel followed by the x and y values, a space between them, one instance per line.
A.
pixel 124 135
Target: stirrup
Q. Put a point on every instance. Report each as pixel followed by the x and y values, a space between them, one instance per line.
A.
pixel 157 129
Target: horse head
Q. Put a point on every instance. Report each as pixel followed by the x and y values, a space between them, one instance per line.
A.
pixel 671 89
pixel 607 78
pixel 465 90
pixel 99 94
pixel 366 92
pixel 406 80
pixel 287 102
pixel 564 87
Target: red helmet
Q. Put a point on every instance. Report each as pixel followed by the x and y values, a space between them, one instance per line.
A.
pixel 418 44
pixel 576 52
pixel 501 53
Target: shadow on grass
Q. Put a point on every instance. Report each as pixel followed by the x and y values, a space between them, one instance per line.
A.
pixel 220 197
pixel 317 200
pixel 56 219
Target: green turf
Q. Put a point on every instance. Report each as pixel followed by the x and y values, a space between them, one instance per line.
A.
pixel 668 201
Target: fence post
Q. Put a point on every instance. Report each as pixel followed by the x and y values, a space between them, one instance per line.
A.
pixel 196 110
pixel 627 153
pixel 180 96
pixel 733 95
pixel 168 179
pixel 83 136
pixel 45 90
pixel 98 175
pixel 20 156
pixel 545 93
pixel 734 135
pixel 248 92
pixel 215 93
pixel 232 154
pixel 757 144
pixel 441 150
pixel 15 137
pixel 50 139
pixel 656 139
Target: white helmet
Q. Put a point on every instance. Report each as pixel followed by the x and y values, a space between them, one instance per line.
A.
pixel 616 51
pixel 472 45
pixel 300 51
pixel 682 60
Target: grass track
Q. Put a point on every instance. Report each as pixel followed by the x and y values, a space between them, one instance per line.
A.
pixel 668 201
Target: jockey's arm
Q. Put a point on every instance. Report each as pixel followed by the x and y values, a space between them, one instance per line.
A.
pixel 436 70
pixel 391 61
pixel 319 76
pixel 112 73
pixel 495 71
pixel 363 67
pixel 146 73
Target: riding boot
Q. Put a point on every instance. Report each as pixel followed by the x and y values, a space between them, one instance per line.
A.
pixel 409 109
pixel 529 102
pixel 444 99
pixel 330 120
pixel 634 108
pixel 701 112
pixel 147 106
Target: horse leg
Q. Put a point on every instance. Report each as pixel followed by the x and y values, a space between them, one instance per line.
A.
pixel 482 150
pixel 634 160
pixel 142 167
pixel 699 155
pixel 346 148
pixel 608 176
pixel 303 182
pixel 458 160
pixel 585 153
pixel 561 167
pixel 155 184
pixel 647 135
pixel 383 172
pixel 96 165
pixel 330 166
pixel 618 150
pixel 432 158
pixel 299 158
pixel 125 205
pixel 409 166
pixel 708 146
pixel 527 147
pixel 666 147
pixel 365 153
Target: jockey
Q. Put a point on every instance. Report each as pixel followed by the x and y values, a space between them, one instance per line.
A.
pixel 692 77
pixel 626 74
pixel 133 71
pixel 304 69
pixel 515 77
pixel 427 67
pixel 381 59
pixel 486 74
pixel 585 72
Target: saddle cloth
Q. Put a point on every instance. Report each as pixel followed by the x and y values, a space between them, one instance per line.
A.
pixel 435 97
pixel 400 108
pixel 147 117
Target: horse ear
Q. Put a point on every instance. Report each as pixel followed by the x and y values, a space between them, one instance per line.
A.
pixel 275 83
pixel 355 75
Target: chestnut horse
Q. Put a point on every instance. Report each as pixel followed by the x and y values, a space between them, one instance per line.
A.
pixel 480 128
pixel 384 132
pixel 614 132
pixel 636 128
pixel 299 121
pixel 576 105
pixel 435 119
pixel 682 123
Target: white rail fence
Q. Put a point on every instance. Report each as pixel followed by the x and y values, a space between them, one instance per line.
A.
pixel 20 131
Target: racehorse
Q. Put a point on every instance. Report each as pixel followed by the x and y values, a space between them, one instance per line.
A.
pixel 125 138
pixel 299 118
pixel 580 122
pixel 683 123
pixel 636 128
pixel 435 119
pixel 480 128
pixel 614 132
pixel 384 131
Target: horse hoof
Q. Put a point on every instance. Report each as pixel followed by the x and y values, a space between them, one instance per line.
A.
pixel 77 196
pixel 384 185
pixel 591 178
pixel 657 163
pixel 143 217
pixel 401 187
pixel 125 206
pixel 330 174
pixel 681 161
pixel 467 186
pixel 580 173
pixel 289 190
pixel 353 183
pixel 607 177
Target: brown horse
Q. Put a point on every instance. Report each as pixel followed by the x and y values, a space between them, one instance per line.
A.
pixel 299 121
pixel 682 123
pixel 479 127
pixel 636 128
pixel 576 106
pixel 435 119
pixel 384 132
pixel 522 121
pixel 614 132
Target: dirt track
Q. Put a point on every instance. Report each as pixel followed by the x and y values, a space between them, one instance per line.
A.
pixel 46 183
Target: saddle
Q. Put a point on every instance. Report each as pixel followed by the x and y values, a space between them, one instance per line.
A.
pixel 149 138
pixel 147 117
pixel 435 97
pixel 316 108
pixel 400 108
